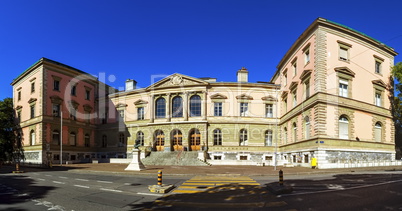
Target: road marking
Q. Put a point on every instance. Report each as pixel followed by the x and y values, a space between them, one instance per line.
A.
pixel 41 179
pixel 82 180
pixel 332 190
pixel 63 177
pixel 105 189
pixel 127 183
pixel 81 186
pixel 59 182
pixel 104 181
pixel 150 194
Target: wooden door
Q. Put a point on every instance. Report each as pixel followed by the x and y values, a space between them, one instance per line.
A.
pixel 160 142
pixel 178 142
pixel 195 141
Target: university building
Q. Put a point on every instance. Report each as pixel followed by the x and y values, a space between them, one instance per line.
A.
pixel 329 100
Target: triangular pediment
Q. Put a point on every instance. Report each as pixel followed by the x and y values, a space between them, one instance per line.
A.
pixel 380 83
pixel 218 96
pixel 177 80
pixel 268 98
pixel 244 97
pixel 345 70
pixel 140 102
pixel 119 105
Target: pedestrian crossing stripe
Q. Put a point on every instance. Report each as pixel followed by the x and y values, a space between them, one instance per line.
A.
pixel 203 183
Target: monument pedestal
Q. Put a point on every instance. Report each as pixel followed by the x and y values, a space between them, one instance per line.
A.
pixel 136 164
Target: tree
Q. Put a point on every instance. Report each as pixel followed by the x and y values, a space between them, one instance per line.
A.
pixel 10 147
pixel 397 106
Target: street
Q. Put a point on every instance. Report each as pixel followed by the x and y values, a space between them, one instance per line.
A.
pixel 64 190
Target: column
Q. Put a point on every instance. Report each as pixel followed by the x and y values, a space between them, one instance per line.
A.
pixel 204 106
pixel 151 109
pixel 168 112
pixel 185 104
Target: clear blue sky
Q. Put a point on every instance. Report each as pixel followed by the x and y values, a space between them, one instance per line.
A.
pixel 137 39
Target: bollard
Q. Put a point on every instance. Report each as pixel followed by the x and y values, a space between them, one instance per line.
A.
pixel 160 178
pixel 17 167
pixel 281 177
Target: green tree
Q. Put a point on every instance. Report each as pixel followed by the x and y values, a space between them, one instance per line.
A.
pixel 397 106
pixel 10 146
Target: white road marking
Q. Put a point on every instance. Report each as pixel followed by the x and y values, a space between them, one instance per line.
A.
pixel 351 188
pixel 104 181
pixel 82 180
pixel 63 177
pixel 150 194
pixel 105 189
pixel 127 183
pixel 59 182
pixel 41 179
pixel 81 186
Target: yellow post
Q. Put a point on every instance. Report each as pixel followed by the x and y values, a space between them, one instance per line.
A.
pixel 160 177
pixel 281 177
pixel 313 163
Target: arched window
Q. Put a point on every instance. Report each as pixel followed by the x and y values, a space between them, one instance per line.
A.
pixel 195 105
pixel 140 138
pixel 285 135
pixel 160 108
pixel 33 137
pixel 159 140
pixel 343 127
pixel 104 141
pixel 268 138
pixel 378 131
pixel 243 137
pixel 86 140
pixel 177 107
pixel 294 132
pixel 306 127
pixel 56 137
pixel 122 140
pixel 217 137
pixel 73 140
pixel 195 140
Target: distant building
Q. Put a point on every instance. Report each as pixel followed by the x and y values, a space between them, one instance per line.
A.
pixel 328 100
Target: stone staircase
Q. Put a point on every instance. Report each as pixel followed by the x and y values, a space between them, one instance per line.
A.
pixel 176 158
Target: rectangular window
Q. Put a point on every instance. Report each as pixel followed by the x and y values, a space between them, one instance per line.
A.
pixel 32 87
pixel 19 95
pixel 285 105
pixel 74 90
pixel 307 89
pixel 269 110
pixel 87 94
pixel 140 113
pixel 56 85
pixel 343 88
pixel 217 157
pixel 104 118
pixel 285 79
pixel 343 53
pixel 243 157
pixel 73 114
pixel 87 117
pixel 294 98
pixel 217 109
pixel 243 109
pixel 32 111
pixel 377 67
pixel 56 110
pixel 306 57
pixel 19 115
pixel 121 114
pixel 377 100
pixel 294 67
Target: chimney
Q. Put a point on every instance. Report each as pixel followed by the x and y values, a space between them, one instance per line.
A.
pixel 242 75
pixel 131 84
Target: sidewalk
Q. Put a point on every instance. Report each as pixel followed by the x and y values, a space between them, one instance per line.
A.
pixel 197 170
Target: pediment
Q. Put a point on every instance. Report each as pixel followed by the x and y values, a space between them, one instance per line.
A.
pixel 87 107
pixel 345 70
pixel 140 102
pixel 56 99
pixel 18 107
pixel 73 103
pixel 293 85
pixel 269 98
pixel 244 97
pixel 284 94
pixel 31 100
pixel 120 105
pixel 380 83
pixel 218 96
pixel 177 80
pixel 305 74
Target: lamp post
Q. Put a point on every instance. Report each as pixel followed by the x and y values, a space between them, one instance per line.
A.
pixel 61 137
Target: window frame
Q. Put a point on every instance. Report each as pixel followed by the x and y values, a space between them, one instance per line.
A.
pixel 160 108
pixel 218 108
pixel 243 137
pixel 195 106
pixel 177 107
pixel 217 133
pixel 243 106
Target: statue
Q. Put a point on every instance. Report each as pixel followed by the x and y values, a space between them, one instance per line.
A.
pixel 137 144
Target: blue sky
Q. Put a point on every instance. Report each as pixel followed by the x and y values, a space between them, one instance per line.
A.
pixel 145 39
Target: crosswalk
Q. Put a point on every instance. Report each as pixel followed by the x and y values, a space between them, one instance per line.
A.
pixel 214 183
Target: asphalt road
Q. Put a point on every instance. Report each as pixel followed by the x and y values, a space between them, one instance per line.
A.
pixel 63 190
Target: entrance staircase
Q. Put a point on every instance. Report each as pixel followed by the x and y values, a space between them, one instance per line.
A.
pixel 175 158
